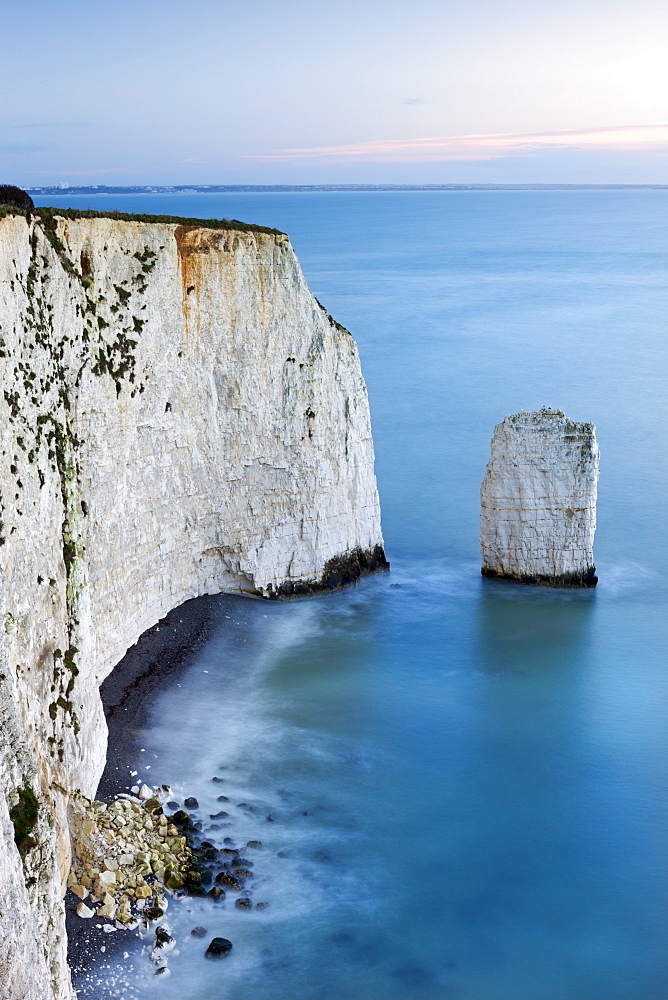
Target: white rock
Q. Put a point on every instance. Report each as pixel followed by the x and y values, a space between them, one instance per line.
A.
pixel 538 501
pixel 239 459
pixel 145 792
pixel 84 911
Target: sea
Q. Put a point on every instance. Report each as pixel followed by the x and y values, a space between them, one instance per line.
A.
pixel 459 784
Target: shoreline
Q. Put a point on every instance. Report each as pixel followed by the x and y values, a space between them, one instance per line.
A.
pixel 161 653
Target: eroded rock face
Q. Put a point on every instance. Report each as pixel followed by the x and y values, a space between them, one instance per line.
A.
pixel 178 416
pixel 538 501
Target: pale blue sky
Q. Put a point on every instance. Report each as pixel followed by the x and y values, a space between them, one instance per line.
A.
pixel 470 91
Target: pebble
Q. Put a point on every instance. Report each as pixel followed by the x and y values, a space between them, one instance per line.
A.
pixel 198 932
pixel 85 911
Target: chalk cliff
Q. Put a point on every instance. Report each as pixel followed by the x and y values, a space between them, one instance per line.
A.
pixel 538 501
pixel 179 417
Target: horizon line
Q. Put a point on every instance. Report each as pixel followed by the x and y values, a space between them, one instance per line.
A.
pixel 63 189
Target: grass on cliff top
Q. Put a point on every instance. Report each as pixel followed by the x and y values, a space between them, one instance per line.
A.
pixel 47 214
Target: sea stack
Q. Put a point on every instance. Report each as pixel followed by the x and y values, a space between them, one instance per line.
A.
pixel 538 501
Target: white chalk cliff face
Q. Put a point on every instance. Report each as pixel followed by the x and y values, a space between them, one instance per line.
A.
pixel 179 417
pixel 538 501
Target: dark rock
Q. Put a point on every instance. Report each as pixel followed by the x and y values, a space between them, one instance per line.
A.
pixel 181 818
pixel 219 948
pixel 207 845
pixel 150 913
pixel 229 842
pixel 191 803
pixel 243 903
pixel 241 863
pixel 198 932
pixel 218 779
pixel 254 843
pixel 229 852
pixel 338 572
pixel 219 815
pixel 222 798
pixel 585 578
pixel 271 818
pixel 172 805
pixel 196 890
pixel 216 894
pixel 230 880
pixel 261 906
pixel 243 873
pixel 163 939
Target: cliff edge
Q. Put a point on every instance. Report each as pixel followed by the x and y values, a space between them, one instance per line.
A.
pixel 179 417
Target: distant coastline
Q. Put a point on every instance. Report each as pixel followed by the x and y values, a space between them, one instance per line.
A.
pixel 67 189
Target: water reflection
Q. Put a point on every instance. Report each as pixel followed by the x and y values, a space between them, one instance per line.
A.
pixel 521 628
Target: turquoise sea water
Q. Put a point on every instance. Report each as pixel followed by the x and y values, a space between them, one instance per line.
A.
pixel 467 778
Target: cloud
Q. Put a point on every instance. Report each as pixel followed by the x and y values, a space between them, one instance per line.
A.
pixel 487 146
pixel 9 145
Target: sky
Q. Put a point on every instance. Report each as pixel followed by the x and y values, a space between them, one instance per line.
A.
pixel 342 92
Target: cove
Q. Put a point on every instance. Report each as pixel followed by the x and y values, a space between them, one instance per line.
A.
pixel 482 765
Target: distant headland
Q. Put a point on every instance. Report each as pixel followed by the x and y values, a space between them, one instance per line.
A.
pixel 60 189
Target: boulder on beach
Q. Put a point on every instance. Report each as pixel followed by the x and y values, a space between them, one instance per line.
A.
pixel 219 948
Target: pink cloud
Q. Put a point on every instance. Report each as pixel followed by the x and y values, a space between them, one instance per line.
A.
pixel 488 146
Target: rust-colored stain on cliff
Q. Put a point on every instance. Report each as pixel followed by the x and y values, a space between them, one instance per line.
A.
pixel 195 244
